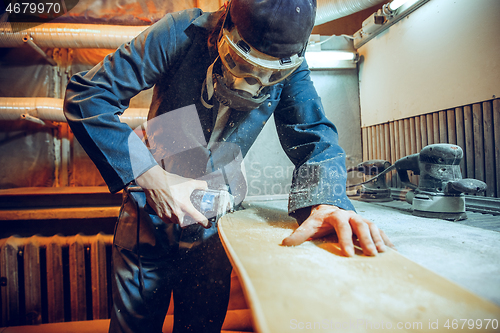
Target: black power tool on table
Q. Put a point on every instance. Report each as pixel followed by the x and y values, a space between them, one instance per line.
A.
pixel 375 189
pixel 440 192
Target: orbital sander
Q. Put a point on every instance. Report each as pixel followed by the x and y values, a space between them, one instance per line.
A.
pixel 440 191
pixel 375 190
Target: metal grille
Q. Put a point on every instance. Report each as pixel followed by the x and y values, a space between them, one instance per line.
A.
pixel 54 279
pixel 475 128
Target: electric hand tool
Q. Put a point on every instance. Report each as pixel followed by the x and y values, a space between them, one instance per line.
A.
pixel 213 204
pixel 440 191
pixel 376 190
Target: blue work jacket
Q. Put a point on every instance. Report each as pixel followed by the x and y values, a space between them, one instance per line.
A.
pixel 173 56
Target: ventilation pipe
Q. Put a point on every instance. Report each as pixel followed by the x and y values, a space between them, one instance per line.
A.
pixel 64 35
pixel 41 109
pixel 329 10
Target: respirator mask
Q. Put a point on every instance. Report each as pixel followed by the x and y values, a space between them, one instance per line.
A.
pixel 245 73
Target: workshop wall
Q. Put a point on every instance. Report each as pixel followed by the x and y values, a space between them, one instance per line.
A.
pixel 433 78
pixel 474 127
pixel 443 55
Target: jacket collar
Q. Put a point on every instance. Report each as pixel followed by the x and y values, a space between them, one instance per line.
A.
pixel 207 20
pixel 203 25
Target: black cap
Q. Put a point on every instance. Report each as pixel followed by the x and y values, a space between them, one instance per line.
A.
pixel 279 28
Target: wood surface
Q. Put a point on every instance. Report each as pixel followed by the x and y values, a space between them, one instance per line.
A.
pixel 313 287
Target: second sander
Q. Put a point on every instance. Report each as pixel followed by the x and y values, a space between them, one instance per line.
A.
pixel 440 190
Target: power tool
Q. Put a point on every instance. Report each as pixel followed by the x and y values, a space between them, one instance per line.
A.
pixel 213 204
pixel 440 191
pixel 376 190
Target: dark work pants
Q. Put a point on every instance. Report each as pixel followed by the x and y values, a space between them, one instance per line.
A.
pixel 152 258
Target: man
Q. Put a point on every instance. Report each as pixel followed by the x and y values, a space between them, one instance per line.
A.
pixel 218 77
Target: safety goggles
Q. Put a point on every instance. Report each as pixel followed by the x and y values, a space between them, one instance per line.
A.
pixel 244 61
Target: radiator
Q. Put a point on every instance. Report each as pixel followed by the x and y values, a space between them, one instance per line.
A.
pixel 54 279
pixel 475 128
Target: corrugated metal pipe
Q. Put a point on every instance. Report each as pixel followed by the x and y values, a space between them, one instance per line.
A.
pixel 64 35
pixel 329 10
pixel 40 109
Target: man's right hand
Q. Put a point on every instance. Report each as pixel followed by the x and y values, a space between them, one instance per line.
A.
pixel 169 195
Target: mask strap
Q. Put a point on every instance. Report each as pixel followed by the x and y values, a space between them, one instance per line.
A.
pixel 209 84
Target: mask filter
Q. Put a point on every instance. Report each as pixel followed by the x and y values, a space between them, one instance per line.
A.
pixel 240 94
pixel 242 85
pixel 240 100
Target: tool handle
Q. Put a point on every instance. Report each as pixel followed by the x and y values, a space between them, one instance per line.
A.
pixel 371 167
pixel 467 185
pixel 404 164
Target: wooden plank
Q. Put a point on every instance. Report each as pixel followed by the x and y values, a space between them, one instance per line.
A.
pixel 401 144
pixel 397 142
pixel 418 135
pixel 393 134
pixel 364 136
pixel 372 143
pixel 452 133
pixel 409 138
pixel 430 129
pixel 435 126
pixel 469 141
pixel 387 142
pixel 313 283
pixel 377 141
pixel 382 141
pixel 403 136
pixel 477 116
pixel 489 149
pixel 406 126
pixel 443 127
pixel 496 126
pixel 413 146
pixel 369 139
pixel 460 130
pixel 59 213
pixel 413 136
pixel 418 141
pixel 423 130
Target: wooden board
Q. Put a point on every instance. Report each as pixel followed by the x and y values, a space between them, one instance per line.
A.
pixel 313 287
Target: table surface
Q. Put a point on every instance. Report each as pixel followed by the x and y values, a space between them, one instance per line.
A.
pixel 312 286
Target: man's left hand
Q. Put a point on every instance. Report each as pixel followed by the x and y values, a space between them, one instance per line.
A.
pixel 326 219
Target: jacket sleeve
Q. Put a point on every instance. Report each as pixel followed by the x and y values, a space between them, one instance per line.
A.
pixel 96 98
pixel 311 142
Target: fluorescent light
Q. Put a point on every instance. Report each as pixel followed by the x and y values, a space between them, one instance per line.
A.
pixel 330 55
pixel 396 4
pixel 331 59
